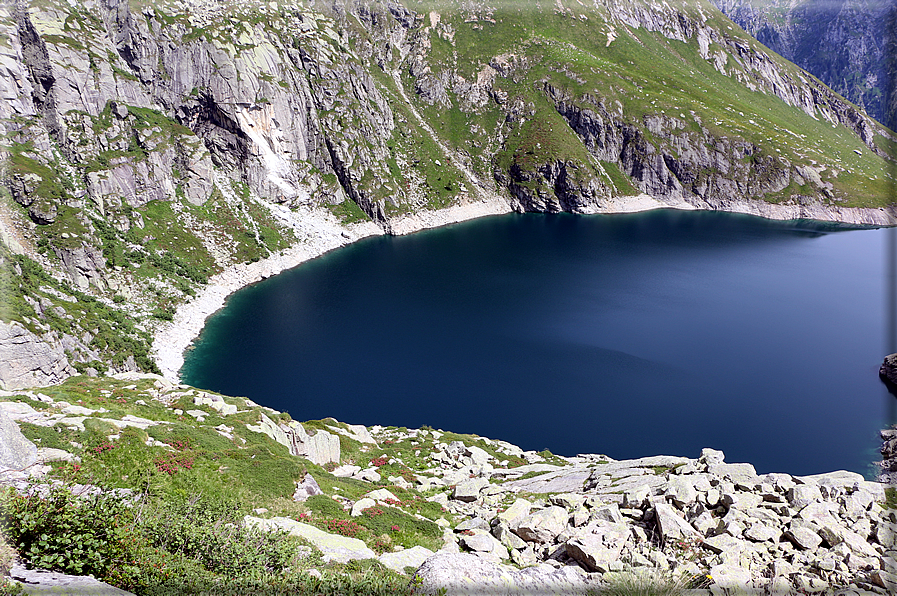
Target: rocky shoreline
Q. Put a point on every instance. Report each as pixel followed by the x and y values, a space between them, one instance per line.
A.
pixel 319 232
pixel 521 522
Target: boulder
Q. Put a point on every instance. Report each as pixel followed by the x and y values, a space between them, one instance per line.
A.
pixel 410 557
pixel 474 523
pixel 48 454
pixel 598 546
pixel 569 501
pixel 520 508
pixel 40 581
pixel 368 475
pixel 16 451
pixel 320 448
pixel 803 494
pixel 381 495
pixel 306 488
pixel 724 543
pixel 346 471
pixel 591 553
pixel 457 574
pixel 711 456
pixel 542 526
pixel 362 504
pixel 731 578
pixel 681 491
pixel 762 533
pixel 469 490
pixel 803 537
pixel 483 542
pixel 670 525
pixel 333 547
pixel 738 473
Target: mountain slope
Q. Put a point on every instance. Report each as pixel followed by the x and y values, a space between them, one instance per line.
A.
pixel 155 151
pixel 843 42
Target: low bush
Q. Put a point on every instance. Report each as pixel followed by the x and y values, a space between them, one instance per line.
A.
pixel 78 535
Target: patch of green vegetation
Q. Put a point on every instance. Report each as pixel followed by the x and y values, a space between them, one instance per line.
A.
pixel 129 76
pixel 171 546
pixel 171 246
pixel 348 212
pixel 64 40
pixel 621 182
pixel 250 226
pixel 50 185
pixel 374 524
pixel 113 333
pixel 890 498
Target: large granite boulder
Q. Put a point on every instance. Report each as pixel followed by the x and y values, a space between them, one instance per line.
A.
pixel 28 360
pixel 16 451
pixel 40 581
pixel 333 547
pixel 454 574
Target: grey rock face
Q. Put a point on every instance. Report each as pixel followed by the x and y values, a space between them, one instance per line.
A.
pixel 27 360
pixel 542 526
pixel 40 581
pixel 320 448
pixel 466 574
pixel 16 452
pixel 888 370
pixel 307 488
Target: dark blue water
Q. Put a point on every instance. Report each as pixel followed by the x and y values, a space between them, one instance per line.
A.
pixel 628 335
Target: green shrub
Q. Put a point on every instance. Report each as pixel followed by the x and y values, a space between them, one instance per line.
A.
pixel 211 532
pixel 62 532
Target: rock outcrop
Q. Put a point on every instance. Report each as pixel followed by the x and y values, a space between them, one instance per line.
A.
pixel 27 360
pixel 16 452
pixel 888 370
pixel 42 581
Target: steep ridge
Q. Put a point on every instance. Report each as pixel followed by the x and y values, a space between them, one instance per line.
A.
pixel 157 154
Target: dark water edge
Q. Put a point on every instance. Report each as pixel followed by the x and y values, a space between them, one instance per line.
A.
pixel 629 335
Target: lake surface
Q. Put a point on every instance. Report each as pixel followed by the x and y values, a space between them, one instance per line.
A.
pixel 627 335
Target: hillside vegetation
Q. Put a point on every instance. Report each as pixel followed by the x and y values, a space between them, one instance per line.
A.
pixel 149 147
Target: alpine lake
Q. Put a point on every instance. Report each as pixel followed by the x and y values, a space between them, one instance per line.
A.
pixel 627 335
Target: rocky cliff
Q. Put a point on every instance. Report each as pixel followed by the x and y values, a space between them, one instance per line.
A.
pixel 150 149
pixel 843 42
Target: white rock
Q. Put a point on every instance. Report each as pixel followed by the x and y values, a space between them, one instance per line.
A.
pixel 469 490
pixel 542 526
pixel 410 557
pixel 346 471
pixel 333 547
pixel 762 533
pixel 730 577
pixel 381 495
pixel 803 494
pixel 671 525
pixel 362 504
pixel 519 509
pixel 368 475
